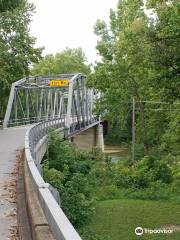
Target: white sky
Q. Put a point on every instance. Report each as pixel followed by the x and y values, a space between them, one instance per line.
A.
pixel 58 24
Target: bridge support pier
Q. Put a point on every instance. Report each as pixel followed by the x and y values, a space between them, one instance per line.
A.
pixel 89 138
pixel 100 137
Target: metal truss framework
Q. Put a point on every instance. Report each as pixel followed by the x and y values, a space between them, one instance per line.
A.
pixel 33 100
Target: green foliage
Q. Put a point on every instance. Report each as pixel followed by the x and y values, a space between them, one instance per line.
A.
pixel 118 134
pixel 155 191
pixel 169 142
pixel 53 176
pixel 108 192
pixel 6 5
pixel 86 179
pixel 67 169
pixel 140 58
pixel 123 72
pixel 76 200
pixel 150 169
pixel 164 36
pixel 67 61
pixel 62 155
pixel 17 49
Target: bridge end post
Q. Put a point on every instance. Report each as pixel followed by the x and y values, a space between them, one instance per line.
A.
pixel 9 107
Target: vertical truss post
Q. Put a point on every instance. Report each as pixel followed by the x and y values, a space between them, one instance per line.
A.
pixel 48 105
pixel 69 107
pixel 27 106
pixel 86 106
pixel 91 104
pixel 55 104
pixel 9 106
pixel 15 106
pixel 41 105
pixel 37 103
pixel 45 104
pixel 60 107
pixel 51 104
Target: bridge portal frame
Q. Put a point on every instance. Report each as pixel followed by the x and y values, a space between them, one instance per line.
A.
pixel 33 100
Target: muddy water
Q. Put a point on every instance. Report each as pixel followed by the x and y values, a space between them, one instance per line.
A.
pixel 116 152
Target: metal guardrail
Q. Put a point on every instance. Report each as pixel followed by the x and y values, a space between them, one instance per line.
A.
pixel 35 148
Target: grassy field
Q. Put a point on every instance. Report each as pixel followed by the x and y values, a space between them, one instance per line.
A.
pixel 119 218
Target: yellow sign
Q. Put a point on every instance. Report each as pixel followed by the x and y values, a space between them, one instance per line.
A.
pixel 59 83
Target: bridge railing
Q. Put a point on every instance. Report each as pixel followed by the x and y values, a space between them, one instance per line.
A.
pixel 35 148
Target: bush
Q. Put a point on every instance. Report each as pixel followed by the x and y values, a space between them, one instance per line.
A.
pixel 162 172
pixel 77 201
pixel 53 176
pixel 67 169
pixel 132 179
pixel 124 178
pixel 156 191
pixel 143 173
pixel 156 169
pixel 62 153
pixel 109 192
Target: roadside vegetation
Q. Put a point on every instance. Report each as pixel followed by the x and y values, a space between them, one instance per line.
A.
pixel 139 60
pixel 95 191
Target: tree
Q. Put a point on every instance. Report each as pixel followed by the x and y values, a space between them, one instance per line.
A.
pixel 17 49
pixel 164 35
pixel 67 61
pixel 140 59
pixel 6 5
pixel 124 70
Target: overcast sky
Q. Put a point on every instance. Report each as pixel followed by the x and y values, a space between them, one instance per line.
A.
pixel 69 23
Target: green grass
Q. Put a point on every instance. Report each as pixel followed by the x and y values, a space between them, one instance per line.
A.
pixel 118 219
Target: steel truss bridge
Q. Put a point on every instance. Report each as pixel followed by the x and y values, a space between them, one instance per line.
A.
pixel 68 109
pixel 34 100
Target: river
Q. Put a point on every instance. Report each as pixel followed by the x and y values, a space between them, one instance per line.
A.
pixel 116 152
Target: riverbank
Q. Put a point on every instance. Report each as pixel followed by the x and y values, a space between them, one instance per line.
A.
pixel 115 152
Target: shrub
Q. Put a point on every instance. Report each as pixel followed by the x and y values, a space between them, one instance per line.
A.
pixel 143 173
pixel 67 170
pixel 53 176
pixel 156 191
pixel 162 172
pixel 76 200
pixel 124 178
pixel 109 192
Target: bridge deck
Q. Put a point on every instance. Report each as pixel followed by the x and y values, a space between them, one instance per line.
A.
pixel 10 141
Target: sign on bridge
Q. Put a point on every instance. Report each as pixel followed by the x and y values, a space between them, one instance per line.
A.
pixel 59 83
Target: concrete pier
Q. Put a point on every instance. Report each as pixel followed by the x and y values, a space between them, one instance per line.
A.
pixel 92 137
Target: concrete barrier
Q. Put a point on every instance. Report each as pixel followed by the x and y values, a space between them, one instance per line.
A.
pixel 39 225
pixel 48 220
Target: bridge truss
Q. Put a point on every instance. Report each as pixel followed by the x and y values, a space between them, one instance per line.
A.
pixel 34 100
